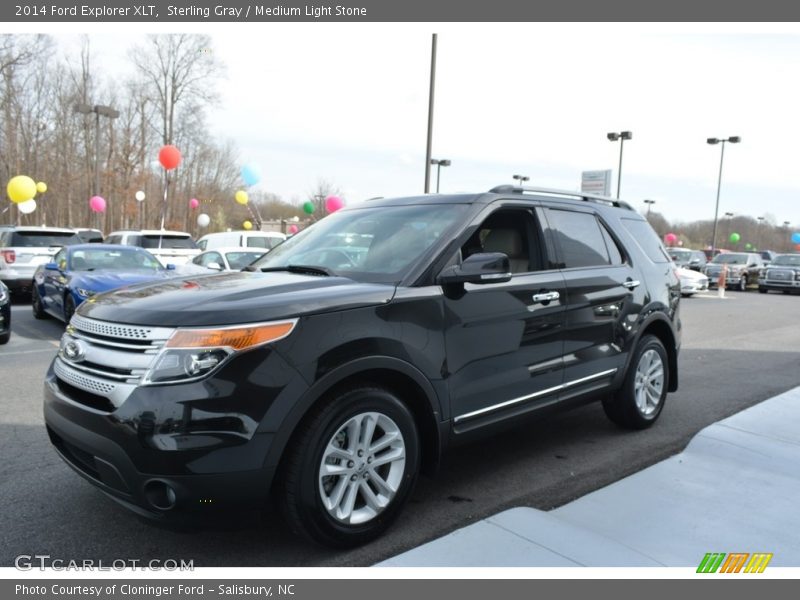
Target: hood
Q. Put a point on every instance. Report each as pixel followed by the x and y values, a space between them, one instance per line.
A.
pixel 231 298
pixel 102 281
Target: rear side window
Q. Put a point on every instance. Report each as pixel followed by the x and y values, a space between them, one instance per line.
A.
pixel 580 240
pixel 647 239
pixel 42 239
pixel 257 242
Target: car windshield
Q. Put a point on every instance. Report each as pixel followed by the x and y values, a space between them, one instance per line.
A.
pixel 679 254
pixel 118 259
pixel 374 244
pixel 239 260
pixel 787 260
pixel 731 259
pixel 172 242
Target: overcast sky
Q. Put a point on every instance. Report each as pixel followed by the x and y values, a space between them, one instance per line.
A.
pixel 348 103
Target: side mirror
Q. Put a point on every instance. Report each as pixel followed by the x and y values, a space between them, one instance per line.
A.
pixel 215 266
pixel 170 267
pixel 51 266
pixel 489 267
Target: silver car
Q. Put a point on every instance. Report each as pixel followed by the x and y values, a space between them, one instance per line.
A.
pixel 22 249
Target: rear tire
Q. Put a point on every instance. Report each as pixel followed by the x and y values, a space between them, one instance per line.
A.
pixel 762 290
pixel 640 400
pixel 335 487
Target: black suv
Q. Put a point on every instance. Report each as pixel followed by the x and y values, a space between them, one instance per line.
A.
pixel 339 365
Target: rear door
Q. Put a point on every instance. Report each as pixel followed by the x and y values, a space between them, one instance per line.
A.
pixel 604 297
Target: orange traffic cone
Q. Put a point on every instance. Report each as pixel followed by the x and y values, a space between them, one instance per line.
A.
pixel 723 275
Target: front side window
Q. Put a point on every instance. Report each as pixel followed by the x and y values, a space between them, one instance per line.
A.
pixel 375 244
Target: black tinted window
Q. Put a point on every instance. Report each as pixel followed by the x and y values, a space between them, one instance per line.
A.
pixel 42 239
pixel 647 240
pixel 579 238
pixel 167 241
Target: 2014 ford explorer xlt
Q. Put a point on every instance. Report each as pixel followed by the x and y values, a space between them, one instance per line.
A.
pixel 351 356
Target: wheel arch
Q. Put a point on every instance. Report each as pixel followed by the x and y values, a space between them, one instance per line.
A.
pixel 659 327
pixel 399 377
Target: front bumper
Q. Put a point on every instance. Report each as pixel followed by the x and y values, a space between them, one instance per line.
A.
pixel 779 284
pixel 207 442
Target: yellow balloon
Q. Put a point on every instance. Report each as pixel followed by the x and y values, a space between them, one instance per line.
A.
pixel 241 197
pixel 21 188
pixel 247 225
pixel 41 187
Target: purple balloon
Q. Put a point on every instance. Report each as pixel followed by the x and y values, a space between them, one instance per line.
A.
pixel 97 204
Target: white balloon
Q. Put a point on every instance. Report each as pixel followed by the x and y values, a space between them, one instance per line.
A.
pixel 203 220
pixel 139 196
pixel 27 207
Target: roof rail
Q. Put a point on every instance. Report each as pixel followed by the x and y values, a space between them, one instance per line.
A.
pixel 514 189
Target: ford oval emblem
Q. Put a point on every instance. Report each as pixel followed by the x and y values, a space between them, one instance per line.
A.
pixel 74 351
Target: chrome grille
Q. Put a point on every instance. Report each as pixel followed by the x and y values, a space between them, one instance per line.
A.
pixel 125 332
pixel 107 359
pixel 89 384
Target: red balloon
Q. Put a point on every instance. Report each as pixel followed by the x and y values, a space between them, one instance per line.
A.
pixel 169 157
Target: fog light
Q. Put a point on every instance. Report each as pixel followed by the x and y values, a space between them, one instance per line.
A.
pixel 160 495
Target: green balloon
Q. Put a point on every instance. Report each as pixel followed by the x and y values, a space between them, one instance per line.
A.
pixel 308 207
pixel 735 237
pixel 748 246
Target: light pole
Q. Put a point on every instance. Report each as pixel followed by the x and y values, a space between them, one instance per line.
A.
pixel 443 162
pixel 621 136
pixel 431 89
pixel 758 233
pixel 649 205
pixel 98 110
pixel 734 139
pixel 521 178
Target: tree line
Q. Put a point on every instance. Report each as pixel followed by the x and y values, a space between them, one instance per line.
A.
pixel 44 135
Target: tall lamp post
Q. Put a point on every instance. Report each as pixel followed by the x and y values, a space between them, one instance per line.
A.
pixel 728 217
pixel 443 162
pixel 735 139
pixel 98 110
pixel 621 136
pixel 649 205
pixel 521 178
pixel 758 233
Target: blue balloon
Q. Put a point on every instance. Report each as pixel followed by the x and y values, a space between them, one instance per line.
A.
pixel 250 175
pixel 796 238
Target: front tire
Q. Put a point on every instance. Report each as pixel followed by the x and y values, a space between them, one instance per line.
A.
pixel 36 302
pixel 762 290
pixel 743 283
pixel 4 337
pixel 640 400
pixel 69 308
pixel 350 468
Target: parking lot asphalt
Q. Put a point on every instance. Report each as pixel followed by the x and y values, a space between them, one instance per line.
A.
pixel 736 352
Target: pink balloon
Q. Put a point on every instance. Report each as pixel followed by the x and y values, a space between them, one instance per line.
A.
pixel 97 204
pixel 333 203
pixel 293 229
pixel 194 203
pixel 670 238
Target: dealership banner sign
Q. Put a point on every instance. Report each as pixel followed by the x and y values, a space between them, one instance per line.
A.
pixel 173 11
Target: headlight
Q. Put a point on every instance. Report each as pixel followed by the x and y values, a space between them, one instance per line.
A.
pixel 194 353
pixel 797 275
pixel 3 296
pixel 85 293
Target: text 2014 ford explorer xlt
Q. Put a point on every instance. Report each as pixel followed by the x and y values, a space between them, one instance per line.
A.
pixel 334 369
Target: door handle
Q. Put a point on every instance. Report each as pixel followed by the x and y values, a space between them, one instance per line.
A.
pixel 632 284
pixel 546 296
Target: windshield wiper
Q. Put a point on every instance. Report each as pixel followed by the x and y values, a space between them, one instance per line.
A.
pixel 310 269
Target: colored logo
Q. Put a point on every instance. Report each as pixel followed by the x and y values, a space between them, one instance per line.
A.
pixel 735 562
